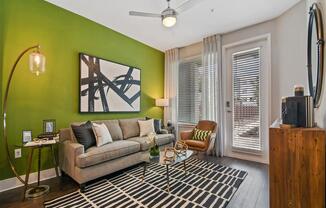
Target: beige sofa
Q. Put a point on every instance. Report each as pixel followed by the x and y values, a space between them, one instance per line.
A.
pixel 127 149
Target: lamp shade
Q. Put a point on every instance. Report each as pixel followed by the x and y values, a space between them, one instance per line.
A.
pixel 37 63
pixel 169 21
pixel 162 102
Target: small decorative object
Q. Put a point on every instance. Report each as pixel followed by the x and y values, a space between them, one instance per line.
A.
pixel 169 124
pixel 37 140
pixel 298 90
pixel 298 111
pixel 181 148
pixel 48 136
pixel 27 136
pixel 154 151
pixel 49 126
pixel 169 154
pixel 106 86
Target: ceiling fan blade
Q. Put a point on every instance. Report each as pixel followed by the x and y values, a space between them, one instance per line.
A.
pixel 187 5
pixel 144 14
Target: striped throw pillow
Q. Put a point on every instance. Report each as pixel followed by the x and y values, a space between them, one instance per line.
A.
pixel 201 135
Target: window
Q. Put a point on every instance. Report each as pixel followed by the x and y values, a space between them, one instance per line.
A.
pixel 190 86
pixel 246 99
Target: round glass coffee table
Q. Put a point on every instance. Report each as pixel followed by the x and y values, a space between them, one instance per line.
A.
pixel 161 160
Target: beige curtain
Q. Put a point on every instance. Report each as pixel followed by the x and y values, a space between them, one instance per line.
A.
pixel 171 86
pixel 212 102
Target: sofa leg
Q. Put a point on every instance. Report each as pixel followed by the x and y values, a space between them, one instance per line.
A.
pixel 63 177
pixel 63 174
pixel 82 187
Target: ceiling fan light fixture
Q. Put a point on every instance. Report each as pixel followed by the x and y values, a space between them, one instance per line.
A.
pixel 169 17
pixel 169 20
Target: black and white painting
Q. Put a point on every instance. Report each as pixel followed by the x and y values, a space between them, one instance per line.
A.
pixel 106 86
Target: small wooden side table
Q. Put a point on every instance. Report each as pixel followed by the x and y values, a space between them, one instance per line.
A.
pixel 38 190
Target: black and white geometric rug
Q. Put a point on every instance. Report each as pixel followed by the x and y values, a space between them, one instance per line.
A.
pixel 206 185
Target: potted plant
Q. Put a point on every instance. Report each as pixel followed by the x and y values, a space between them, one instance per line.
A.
pixel 154 150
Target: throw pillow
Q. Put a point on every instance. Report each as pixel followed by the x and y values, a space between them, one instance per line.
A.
pixel 146 127
pixel 157 125
pixel 84 134
pixel 102 134
pixel 201 135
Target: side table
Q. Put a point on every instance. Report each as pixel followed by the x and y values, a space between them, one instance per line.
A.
pixel 38 190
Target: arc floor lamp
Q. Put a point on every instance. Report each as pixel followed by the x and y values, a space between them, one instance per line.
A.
pixel 37 66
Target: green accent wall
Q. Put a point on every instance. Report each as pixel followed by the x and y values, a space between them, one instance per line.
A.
pixel 54 95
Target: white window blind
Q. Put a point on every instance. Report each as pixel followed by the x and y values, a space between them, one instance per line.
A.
pixel 190 94
pixel 246 67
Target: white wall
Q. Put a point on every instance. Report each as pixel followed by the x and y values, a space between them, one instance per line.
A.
pixel 288 60
pixel 290 55
pixel 288 44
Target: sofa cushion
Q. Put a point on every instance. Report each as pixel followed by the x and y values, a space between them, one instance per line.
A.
pixel 160 140
pixel 157 125
pixel 111 151
pixel 130 127
pixel 195 143
pixel 102 134
pixel 84 134
pixel 146 127
pixel 72 135
pixel 201 135
pixel 163 139
pixel 143 141
pixel 114 128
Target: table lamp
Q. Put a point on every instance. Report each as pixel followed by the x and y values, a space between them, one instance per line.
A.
pixel 162 102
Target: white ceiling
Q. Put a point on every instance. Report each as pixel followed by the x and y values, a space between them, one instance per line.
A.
pixel 205 18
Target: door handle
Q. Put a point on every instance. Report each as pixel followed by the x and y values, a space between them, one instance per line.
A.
pixel 229 111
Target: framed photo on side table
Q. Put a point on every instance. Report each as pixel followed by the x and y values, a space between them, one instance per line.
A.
pixel 27 136
pixel 49 126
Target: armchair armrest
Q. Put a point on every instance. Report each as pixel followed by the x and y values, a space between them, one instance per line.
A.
pixel 164 131
pixel 212 136
pixel 185 135
pixel 68 152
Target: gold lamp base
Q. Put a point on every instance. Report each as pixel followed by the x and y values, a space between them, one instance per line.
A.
pixel 37 191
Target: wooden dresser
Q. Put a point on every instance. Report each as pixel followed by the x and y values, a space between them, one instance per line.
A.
pixel 297 167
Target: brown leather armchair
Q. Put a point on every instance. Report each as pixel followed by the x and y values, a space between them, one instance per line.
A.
pixel 201 146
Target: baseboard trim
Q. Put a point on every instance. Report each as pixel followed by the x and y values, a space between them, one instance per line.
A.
pixel 14 182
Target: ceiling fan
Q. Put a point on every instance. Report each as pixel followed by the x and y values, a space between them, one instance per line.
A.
pixel 169 15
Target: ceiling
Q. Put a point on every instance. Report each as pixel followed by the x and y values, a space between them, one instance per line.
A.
pixel 206 18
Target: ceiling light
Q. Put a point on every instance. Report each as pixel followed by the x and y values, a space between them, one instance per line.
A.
pixel 169 17
pixel 169 21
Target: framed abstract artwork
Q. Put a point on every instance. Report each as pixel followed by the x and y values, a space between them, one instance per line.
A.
pixel 107 86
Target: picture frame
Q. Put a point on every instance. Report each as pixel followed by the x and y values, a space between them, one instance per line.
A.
pixel 26 136
pixel 108 87
pixel 49 126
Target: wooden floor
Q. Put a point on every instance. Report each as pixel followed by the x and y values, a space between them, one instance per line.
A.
pixel 253 192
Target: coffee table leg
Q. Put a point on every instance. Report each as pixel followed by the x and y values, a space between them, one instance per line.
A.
pixel 167 178
pixel 184 167
pixel 144 171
